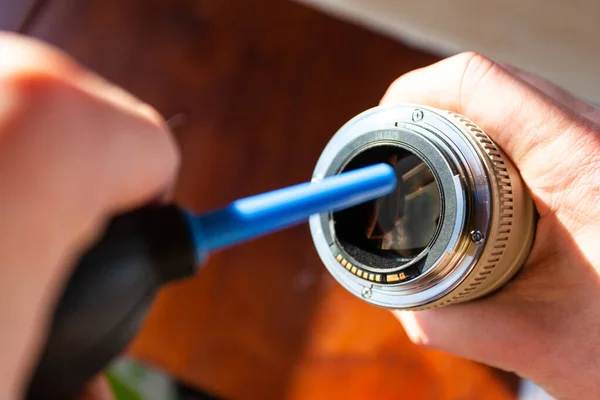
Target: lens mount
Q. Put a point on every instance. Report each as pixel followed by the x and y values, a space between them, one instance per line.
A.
pixel 452 218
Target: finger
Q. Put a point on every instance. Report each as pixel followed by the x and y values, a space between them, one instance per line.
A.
pixel 523 121
pixel 73 151
pixel 121 144
pixel 22 56
pixel 489 332
pixel 557 93
pixel 467 329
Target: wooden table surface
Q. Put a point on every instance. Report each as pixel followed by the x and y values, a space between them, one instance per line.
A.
pixel 258 88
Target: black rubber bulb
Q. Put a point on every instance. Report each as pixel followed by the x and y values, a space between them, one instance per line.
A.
pixel 108 296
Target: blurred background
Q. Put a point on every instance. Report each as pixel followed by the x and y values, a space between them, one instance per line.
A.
pixel 553 38
pixel 254 90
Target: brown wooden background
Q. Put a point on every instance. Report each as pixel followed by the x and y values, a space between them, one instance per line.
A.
pixel 258 88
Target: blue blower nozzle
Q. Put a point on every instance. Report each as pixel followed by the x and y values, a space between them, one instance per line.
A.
pixel 258 215
pixel 99 311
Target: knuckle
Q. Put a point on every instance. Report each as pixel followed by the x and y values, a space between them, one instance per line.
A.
pixel 472 68
pixel 33 73
pixel 34 91
pixel 473 61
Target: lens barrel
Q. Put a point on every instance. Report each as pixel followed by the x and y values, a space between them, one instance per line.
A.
pixel 458 227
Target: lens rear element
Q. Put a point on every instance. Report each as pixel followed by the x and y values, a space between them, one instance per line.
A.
pixel 396 228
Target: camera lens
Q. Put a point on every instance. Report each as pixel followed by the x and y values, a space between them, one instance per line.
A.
pixel 398 227
pixel 458 226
